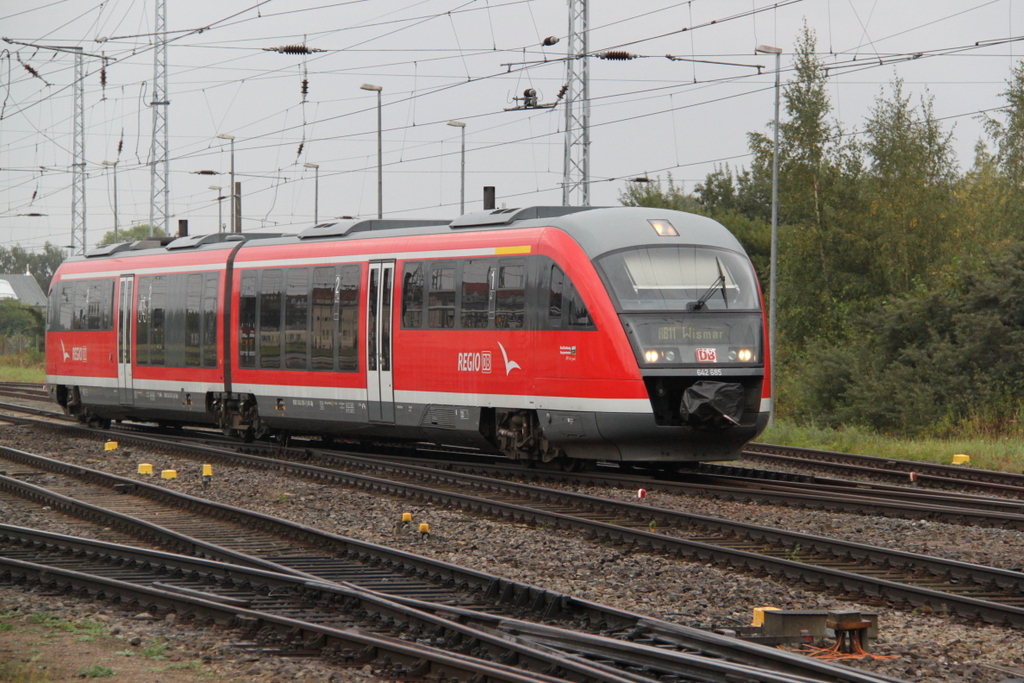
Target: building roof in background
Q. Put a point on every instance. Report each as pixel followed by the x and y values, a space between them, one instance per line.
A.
pixel 24 288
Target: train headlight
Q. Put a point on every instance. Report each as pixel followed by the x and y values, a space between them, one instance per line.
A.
pixel 651 356
pixel 745 355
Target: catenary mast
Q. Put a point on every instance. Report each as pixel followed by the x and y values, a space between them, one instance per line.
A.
pixel 159 204
pixel 576 174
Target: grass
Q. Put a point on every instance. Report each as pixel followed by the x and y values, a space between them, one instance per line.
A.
pixel 22 368
pixel 96 671
pixel 23 673
pixel 1005 454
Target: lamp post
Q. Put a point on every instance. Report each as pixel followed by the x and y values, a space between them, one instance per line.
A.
pixel 316 192
pixel 236 220
pixel 113 164
pixel 380 158
pixel 767 49
pixel 220 207
pixel 462 182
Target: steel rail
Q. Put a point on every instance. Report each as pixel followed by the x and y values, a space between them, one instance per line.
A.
pixel 991 612
pixel 420 620
pixel 281 595
pixel 346 646
pixel 504 591
pixel 925 470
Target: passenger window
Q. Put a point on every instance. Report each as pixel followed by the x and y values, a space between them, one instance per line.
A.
pixel 247 322
pixel 475 294
pixel 144 290
pixel 157 319
pixel 67 305
pixel 211 290
pixel 578 316
pixel 441 303
pixel 193 325
pixel 296 319
pixel 555 287
pixel 271 282
pixel 81 306
pixel 412 296
pixel 348 318
pixel 322 339
pixel 510 300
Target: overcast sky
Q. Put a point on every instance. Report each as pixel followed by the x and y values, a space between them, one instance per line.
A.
pixel 442 60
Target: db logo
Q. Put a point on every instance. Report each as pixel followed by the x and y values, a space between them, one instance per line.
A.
pixel 707 356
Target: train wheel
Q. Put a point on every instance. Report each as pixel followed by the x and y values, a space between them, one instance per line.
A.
pixel 567 464
pixel 99 423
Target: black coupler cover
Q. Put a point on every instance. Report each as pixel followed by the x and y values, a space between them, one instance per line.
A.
pixel 714 405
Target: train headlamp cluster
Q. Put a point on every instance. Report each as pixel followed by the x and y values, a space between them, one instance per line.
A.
pixel 735 355
pixel 742 355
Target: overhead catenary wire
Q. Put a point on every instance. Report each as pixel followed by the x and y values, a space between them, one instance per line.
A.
pixel 325 117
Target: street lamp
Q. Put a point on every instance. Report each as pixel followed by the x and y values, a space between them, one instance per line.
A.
pixel 236 220
pixel 220 207
pixel 380 158
pixel 113 164
pixel 462 184
pixel 767 49
pixel 316 192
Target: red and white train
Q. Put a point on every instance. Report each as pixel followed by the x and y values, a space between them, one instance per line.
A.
pixel 547 333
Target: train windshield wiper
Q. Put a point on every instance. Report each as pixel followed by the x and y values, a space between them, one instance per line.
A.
pixel 718 283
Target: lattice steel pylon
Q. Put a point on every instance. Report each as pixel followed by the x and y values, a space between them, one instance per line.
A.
pixel 576 174
pixel 159 177
pixel 78 165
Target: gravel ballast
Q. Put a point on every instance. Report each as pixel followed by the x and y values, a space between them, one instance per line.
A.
pixel 927 648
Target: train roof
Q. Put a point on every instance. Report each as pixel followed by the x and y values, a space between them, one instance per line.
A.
pixel 598 230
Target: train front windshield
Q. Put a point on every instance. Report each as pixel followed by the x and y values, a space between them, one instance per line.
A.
pixel 687 306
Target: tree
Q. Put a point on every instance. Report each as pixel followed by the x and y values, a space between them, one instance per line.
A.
pixel 132 234
pixel 909 188
pixel 647 193
pixel 17 260
pixel 940 361
pixel 1009 134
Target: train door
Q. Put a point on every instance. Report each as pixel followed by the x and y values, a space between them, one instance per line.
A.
pixel 125 387
pixel 380 388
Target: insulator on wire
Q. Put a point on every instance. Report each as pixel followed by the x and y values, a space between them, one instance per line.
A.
pixel 298 153
pixel 305 87
pixel 103 77
pixel 120 145
pixel 549 41
pixel 28 68
pixel 293 50
pixel 621 55
pixel 561 92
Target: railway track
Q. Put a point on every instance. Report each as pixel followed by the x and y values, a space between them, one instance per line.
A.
pixel 956 477
pixel 972 591
pixel 288 615
pixel 286 548
pixel 718 479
